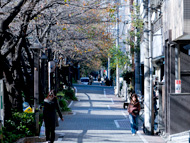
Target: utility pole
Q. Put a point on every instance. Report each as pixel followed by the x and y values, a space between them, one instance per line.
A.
pixel 51 66
pixel 151 68
pixel 109 68
pixel 146 71
pixel 43 73
pixel 56 72
pixel 1 108
pixel 137 71
pixel 36 46
pixel 117 46
pixel 56 78
pixel 137 61
pixel 148 98
pixel 69 75
pixel 49 76
pixel 36 89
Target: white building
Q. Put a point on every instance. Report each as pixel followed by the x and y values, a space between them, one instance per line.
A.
pixel 171 61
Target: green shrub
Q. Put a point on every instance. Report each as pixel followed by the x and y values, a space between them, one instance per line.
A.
pixel 19 126
pixel 63 105
pixel 61 93
pixel 70 94
pixel 74 81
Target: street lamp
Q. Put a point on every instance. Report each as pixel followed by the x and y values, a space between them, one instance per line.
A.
pixel 70 78
pixel 36 46
pixel 43 56
pixel 56 75
pixel 1 12
pixel 44 59
pixel 78 72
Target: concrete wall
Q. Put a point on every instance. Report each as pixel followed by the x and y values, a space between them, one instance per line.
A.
pixel 157 44
pixel 186 16
pixel 173 18
pixel 176 17
pixel 142 48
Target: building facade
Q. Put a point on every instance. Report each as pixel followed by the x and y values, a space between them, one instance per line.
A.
pixel 170 43
pixel 176 40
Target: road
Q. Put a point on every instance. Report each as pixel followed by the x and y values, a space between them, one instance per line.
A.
pixel 98 117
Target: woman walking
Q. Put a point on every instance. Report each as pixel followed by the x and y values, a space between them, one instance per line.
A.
pixel 49 114
pixel 134 109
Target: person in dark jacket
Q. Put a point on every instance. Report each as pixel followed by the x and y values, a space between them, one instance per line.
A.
pixel 49 115
pixel 134 109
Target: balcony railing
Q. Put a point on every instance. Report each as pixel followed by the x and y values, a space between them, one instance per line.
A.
pixel 157 24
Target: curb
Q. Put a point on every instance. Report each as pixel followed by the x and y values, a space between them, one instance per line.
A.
pixel 31 139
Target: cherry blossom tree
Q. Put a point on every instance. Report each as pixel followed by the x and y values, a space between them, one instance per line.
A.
pixel 75 29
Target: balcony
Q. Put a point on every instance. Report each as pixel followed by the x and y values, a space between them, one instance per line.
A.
pixel 156 3
pixel 157 25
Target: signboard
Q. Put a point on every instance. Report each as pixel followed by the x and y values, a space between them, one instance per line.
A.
pixel 1 102
pixel 27 108
pixel 177 86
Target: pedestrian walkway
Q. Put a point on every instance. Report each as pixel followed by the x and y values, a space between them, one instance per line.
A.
pixel 126 124
pixel 99 116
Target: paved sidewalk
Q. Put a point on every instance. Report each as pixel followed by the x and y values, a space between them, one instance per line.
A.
pixel 125 123
pixel 99 116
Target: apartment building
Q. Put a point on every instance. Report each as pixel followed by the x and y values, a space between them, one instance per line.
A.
pixel 176 40
pixel 170 41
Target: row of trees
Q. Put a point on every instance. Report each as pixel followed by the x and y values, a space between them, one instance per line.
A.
pixel 129 62
pixel 73 29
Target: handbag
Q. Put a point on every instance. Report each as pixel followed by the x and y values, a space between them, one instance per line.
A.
pixel 133 109
pixel 42 130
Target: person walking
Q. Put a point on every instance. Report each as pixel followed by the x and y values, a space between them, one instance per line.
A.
pixel 49 115
pixel 134 109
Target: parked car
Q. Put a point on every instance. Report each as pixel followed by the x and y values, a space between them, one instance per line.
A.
pixel 84 80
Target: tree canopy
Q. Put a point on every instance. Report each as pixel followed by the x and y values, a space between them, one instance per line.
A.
pixel 74 29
